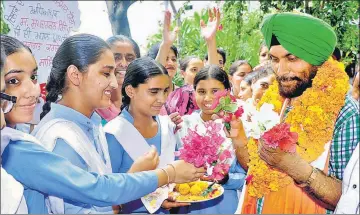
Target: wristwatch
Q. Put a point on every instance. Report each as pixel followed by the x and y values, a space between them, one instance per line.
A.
pixel 311 178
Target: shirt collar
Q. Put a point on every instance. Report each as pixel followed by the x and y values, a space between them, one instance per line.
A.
pixel 125 114
pixel 64 112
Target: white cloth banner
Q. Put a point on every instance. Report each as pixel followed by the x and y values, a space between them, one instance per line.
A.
pixel 42 26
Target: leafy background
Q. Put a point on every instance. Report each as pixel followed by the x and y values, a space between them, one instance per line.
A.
pixel 4 28
pixel 241 37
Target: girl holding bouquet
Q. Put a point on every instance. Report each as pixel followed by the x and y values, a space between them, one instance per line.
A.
pixel 207 82
pixel 61 173
pixel 139 128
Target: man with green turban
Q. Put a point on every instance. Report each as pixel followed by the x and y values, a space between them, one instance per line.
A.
pixel 309 38
pixel 299 46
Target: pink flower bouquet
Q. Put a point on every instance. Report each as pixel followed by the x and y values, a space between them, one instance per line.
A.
pixel 205 149
pixel 226 107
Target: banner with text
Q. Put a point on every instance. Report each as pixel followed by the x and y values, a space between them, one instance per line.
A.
pixel 42 26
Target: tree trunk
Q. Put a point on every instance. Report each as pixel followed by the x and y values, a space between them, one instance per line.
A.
pixel 117 11
pixel 307 9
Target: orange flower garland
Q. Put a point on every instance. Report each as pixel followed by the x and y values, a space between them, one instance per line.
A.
pixel 313 118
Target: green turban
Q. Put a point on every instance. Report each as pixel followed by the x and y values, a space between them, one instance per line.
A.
pixel 304 36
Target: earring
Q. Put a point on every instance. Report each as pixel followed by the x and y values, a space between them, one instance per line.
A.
pixel 59 98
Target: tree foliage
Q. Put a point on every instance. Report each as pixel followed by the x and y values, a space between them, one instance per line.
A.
pixel 342 15
pixel 241 36
pixel 4 28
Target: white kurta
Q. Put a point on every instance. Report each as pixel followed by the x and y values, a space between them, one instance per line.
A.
pixel 349 201
pixel 12 192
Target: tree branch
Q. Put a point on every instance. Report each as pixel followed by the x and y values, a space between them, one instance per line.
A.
pixel 110 5
pixel 117 11
pixel 307 6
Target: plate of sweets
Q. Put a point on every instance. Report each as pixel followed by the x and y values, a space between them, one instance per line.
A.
pixel 197 191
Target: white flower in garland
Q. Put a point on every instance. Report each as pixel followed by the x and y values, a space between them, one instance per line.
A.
pixel 262 120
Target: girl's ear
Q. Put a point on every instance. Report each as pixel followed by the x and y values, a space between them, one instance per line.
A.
pixel 230 78
pixel 182 72
pixel 74 75
pixel 130 91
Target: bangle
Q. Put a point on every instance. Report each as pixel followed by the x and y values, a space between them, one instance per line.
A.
pixel 167 174
pixel 311 178
pixel 174 171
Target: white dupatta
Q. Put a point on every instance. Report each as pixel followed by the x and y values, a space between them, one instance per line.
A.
pixel 12 198
pixel 75 137
pixel 135 145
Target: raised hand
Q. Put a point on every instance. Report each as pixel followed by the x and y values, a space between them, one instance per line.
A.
pixel 169 36
pixel 208 32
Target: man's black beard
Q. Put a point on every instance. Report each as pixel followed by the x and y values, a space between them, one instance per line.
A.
pixel 301 85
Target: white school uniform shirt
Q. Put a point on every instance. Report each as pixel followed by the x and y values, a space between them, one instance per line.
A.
pixel 54 127
pixel 135 145
pixel 12 191
pixel 349 201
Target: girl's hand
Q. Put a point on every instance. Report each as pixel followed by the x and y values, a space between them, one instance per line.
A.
pixel 177 120
pixel 209 31
pixel 237 130
pixel 169 36
pixel 222 181
pixel 186 172
pixel 149 161
pixel 171 203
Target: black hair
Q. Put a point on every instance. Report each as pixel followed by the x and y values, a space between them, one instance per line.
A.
pixel 3 58
pixel 274 41
pixel 138 72
pixel 337 54
pixel 263 44
pixel 234 66
pixel 154 50
pixel 12 45
pixel 212 72
pixel 219 51
pixel 80 50
pixel 122 38
pixel 184 63
pixel 249 77
pixel 262 72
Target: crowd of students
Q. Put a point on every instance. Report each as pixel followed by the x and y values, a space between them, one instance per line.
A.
pixel 112 121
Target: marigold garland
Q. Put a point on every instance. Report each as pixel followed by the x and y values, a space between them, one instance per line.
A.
pixel 313 117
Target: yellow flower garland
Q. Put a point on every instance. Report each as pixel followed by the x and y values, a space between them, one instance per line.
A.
pixel 313 118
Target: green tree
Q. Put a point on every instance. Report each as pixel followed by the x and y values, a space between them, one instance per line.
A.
pixel 4 28
pixel 241 36
pixel 342 15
